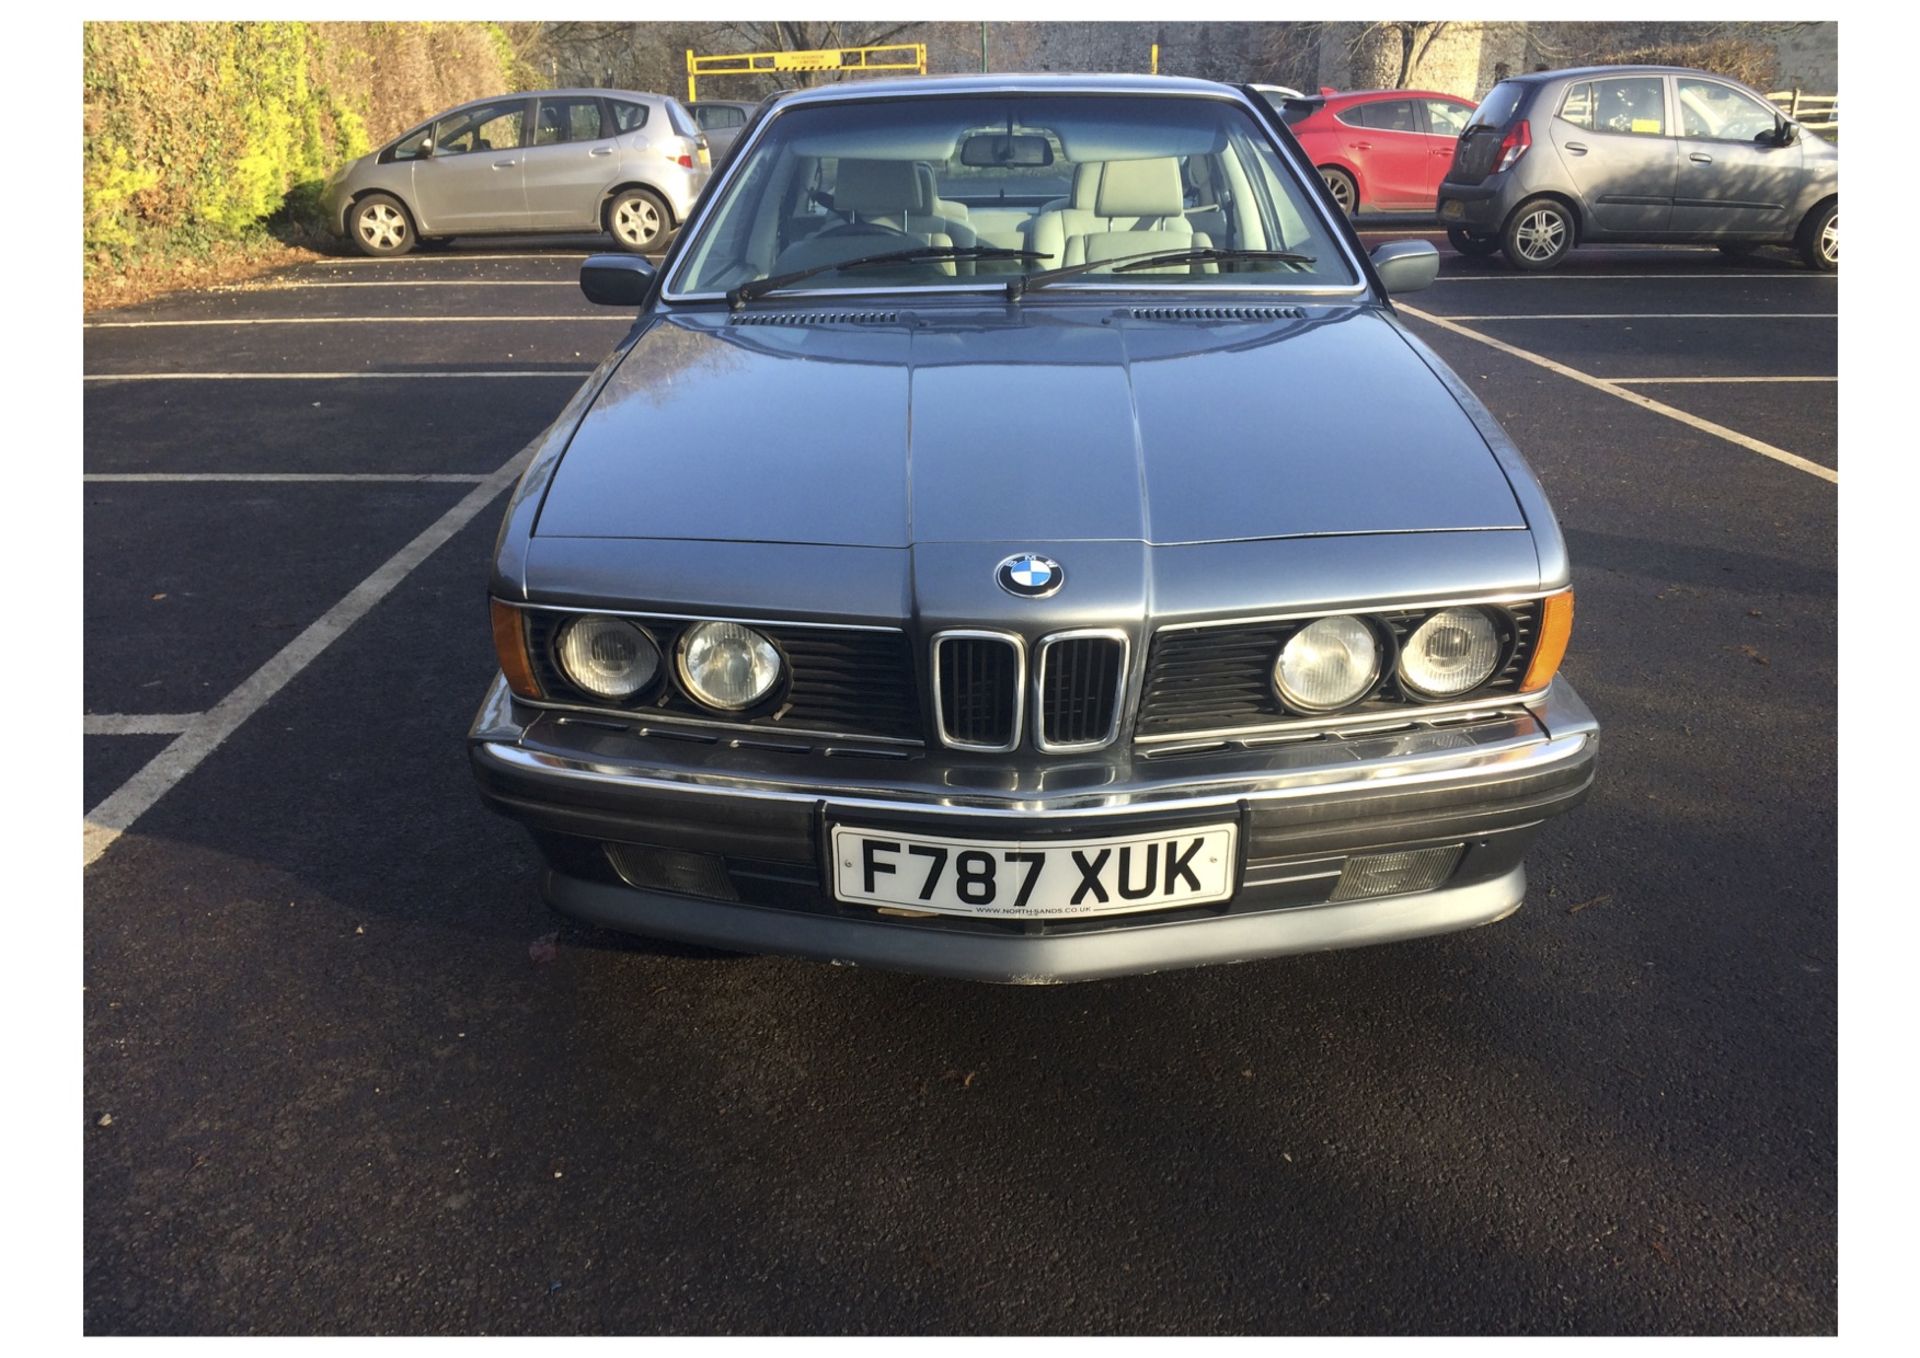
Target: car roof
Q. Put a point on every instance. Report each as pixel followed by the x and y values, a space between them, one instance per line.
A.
pixel 1365 96
pixel 578 91
pixel 1592 72
pixel 998 83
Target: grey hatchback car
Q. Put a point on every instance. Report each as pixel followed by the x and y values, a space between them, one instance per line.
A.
pixel 1637 155
pixel 618 161
pixel 949 575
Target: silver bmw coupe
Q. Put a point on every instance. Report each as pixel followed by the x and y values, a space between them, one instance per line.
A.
pixel 1018 540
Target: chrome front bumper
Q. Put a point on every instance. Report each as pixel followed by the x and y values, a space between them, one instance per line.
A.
pixel 1304 806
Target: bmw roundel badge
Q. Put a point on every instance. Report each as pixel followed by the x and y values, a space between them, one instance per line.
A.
pixel 1030 576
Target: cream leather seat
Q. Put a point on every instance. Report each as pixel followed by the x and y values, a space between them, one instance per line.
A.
pixel 1064 217
pixel 930 193
pixel 1140 207
pixel 871 193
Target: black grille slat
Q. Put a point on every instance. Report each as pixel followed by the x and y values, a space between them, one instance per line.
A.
pixel 848 682
pixel 1080 689
pixel 1218 313
pixel 979 679
pixel 814 318
pixel 1217 678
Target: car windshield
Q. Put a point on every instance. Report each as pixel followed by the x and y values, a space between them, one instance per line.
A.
pixel 1070 179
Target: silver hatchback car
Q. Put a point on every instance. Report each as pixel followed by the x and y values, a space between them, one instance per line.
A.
pixel 619 161
pixel 1638 155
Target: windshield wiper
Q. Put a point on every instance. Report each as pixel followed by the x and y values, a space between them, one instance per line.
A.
pixel 1153 259
pixel 760 287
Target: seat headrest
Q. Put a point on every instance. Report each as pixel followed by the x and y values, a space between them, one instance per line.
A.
pixel 929 186
pixel 878 187
pixel 1140 188
pixel 1086 185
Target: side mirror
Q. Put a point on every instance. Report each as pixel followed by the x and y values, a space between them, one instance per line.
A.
pixel 1406 266
pixel 619 280
pixel 1786 134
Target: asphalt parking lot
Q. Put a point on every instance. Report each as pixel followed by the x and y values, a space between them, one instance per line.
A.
pixel 345 1072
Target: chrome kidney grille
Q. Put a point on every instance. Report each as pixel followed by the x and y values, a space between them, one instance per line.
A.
pixel 981 695
pixel 1079 680
pixel 979 681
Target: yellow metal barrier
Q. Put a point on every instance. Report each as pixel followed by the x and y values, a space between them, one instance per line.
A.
pixel 905 56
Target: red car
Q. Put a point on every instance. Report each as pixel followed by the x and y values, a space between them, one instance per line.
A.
pixel 1380 150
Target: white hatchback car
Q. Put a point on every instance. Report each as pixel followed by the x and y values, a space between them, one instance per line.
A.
pixel 619 161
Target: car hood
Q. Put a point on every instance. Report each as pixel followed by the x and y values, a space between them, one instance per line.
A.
pixel 1048 423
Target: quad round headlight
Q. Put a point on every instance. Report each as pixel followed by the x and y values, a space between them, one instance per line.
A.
pixel 1455 650
pixel 726 666
pixel 608 657
pixel 1327 665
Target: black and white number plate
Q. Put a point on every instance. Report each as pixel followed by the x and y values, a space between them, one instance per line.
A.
pixel 1044 879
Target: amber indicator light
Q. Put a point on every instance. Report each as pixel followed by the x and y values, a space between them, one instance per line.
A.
pixel 1556 626
pixel 510 644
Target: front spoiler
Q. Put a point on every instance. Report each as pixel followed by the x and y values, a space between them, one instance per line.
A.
pixel 1036 961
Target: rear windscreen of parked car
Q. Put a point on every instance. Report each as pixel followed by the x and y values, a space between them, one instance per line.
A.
pixel 1077 178
pixel 1498 108
pixel 681 119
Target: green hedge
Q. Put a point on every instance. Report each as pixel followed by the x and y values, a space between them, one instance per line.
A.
pixel 197 133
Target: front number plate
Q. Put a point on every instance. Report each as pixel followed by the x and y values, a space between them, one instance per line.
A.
pixel 1045 879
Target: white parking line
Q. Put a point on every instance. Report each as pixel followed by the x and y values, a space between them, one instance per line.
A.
pixel 622 317
pixel 1630 397
pixel 575 373
pixel 410 283
pixel 1706 381
pixel 446 259
pixel 453 478
pixel 111 818
pixel 1620 277
pixel 1663 316
pixel 137 723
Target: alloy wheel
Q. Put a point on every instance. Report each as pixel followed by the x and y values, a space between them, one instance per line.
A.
pixel 383 226
pixel 1830 240
pixel 1341 188
pixel 1541 234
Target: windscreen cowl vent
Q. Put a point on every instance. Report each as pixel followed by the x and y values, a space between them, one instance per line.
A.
pixel 815 318
pixel 1217 313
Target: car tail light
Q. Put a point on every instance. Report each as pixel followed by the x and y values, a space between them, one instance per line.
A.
pixel 683 160
pixel 1556 626
pixel 1512 146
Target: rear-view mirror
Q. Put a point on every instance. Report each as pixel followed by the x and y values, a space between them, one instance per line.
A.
pixel 616 280
pixel 998 148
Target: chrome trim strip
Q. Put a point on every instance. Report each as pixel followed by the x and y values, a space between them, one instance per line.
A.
pixel 702 617
pixel 1413 714
pixel 1046 643
pixel 1019 646
pixel 1518 757
pixel 1333 610
pixel 630 717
